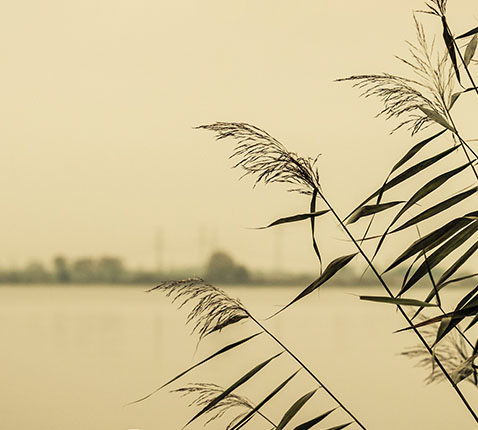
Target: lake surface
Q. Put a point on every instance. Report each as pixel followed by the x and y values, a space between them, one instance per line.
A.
pixel 73 357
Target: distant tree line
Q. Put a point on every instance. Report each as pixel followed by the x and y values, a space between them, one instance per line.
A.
pixel 221 268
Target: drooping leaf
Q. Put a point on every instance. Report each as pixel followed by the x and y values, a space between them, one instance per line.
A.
pixel 468 33
pixel 450 46
pixel 307 425
pixel 233 387
pixel 470 49
pixel 432 239
pixel 407 174
pixel 221 351
pixel 397 301
pixel 312 228
pixel 329 272
pixel 269 397
pixel 295 218
pixel 449 323
pixel 370 210
pixel 436 117
pixel 429 187
pixel 443 329
pixel 432 293
pixel 424 191
pixel 437 209
pixel 294 409
pixel 438 255
pixel 458 263
pixel 414 150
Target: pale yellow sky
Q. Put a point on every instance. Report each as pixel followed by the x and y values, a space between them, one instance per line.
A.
pixel 98 101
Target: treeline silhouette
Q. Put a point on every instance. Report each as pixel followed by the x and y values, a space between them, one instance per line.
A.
pixel 220 268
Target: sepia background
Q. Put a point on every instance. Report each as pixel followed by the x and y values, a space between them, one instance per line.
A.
pixel 100 157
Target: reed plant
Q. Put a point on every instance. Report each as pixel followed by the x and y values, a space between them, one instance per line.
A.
pixel 440 231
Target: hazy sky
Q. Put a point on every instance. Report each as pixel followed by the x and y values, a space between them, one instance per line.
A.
pixel 99 100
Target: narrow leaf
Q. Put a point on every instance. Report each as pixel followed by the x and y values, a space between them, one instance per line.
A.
pixel 340 427
pixel 294 409
pixel 462 313
pixel 436 117
pixel 437 209
pixel 468 33
pixel 295 218
pixel 437 256
pixel 432 239
pixel 397 301
pixel 414 150
pixel 470 49
pixel 450 46
pixel 328 273
pixel 407 174
pixel 307 425
pixel 233 387
pixel 221 351
pixel 429 187
pixel 271 395
pixel 370 210
pixel 312 228
pixel 458 263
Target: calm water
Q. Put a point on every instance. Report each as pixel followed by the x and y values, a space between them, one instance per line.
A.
pixel 71 358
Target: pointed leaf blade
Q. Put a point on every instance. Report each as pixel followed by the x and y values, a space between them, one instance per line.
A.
pixel 470 49
pixel 294 409
pixel 307 425
pixel 335 266
pixel 233 387
pixel 371 210
pixel 295 218
pixel 269 397
pixel 468 33
pixel 397 301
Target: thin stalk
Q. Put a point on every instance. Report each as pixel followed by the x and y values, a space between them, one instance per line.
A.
pixel 314 377
pixel 404 314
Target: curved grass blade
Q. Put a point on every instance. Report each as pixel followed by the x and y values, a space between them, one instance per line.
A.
pixel 432 293
pixel 424 191
pixel 340 427
pixel 295 218
pixel 437 256
pixel 312 228
pixel 221 351
pixel 397 301
pixel 294 409
pixel 414 150
pixel 468 33
pixel 437 117
pixel 233 387
pixel 328 273
pixel 437 209
pixel 371 210
pixel 271 395
pixel 432 239
pixel 450 46
pixel 449 323
pixel 407 174
pixel 307 425
pixel 458 263
pixel 429 187
pixel 460 314
pixel 470 50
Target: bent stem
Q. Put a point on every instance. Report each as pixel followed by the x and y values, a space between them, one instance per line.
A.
pixel 314 377
pixel 404 314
